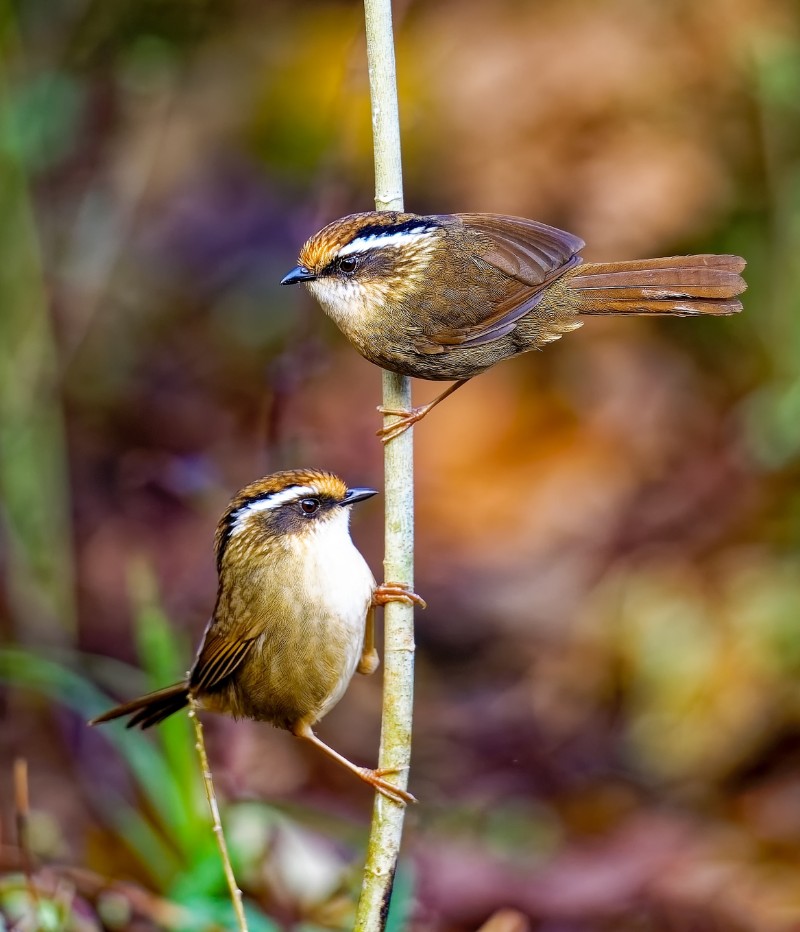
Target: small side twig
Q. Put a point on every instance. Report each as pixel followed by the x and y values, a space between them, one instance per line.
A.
pixel 211 796
pixel 22 811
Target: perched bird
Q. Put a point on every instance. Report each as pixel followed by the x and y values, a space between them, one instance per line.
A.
pixel 447 296
pixel 293 619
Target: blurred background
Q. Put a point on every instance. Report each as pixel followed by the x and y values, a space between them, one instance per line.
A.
pixel 608 705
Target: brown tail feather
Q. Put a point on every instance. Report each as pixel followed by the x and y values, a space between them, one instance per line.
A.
pixel 150 709
pixel 677 285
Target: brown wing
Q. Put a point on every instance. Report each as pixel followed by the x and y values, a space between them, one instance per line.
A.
pixel 523 249
pixel 218 658
pixel 525 257
pixel 505 316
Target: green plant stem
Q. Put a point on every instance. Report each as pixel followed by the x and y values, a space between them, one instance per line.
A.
pixel 398 678
pixel 227 867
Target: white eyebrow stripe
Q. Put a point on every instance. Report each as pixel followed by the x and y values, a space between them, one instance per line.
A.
pixel 379 240
pixel 293 494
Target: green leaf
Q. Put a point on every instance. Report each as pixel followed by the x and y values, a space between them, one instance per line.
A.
pixel 56 681
pixel 163 654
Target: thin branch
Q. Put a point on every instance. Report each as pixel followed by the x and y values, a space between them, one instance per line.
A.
pixel 227 867
pixel 22 811
pixel 398 677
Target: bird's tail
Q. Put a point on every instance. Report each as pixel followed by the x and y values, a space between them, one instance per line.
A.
pixel 150 709
pixel 680 285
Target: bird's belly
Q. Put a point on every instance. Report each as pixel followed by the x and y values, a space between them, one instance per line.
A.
pixel 399 351
pixel 450 367
pixel 294 676
pixel 301 665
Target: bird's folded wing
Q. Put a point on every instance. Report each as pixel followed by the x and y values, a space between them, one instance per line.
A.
pixel 504 317
pixel 530 254
pixel 523 249
pixel 218 658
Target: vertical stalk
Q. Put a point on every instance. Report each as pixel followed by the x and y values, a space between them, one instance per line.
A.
pixel 219 834
pixel 398 678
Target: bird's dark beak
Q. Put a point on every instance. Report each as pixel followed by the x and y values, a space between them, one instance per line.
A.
pixel 357 495
pixel 298 274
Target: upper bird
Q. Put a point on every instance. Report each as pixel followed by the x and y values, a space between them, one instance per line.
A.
pixel 293 619
pixel 446 296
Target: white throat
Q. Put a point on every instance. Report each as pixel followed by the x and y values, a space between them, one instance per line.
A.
pixel 345 299
pixel 335 572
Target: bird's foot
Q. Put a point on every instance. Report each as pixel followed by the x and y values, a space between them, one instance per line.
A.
pixel 407 419
pixel 368 663
pixel 375 779
pixel 395 592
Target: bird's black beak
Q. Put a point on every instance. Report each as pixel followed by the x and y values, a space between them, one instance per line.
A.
pixel 357 495
pixel 298 274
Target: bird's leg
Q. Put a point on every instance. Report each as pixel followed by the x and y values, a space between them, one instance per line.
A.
pixel 369 661
pixel 386 592
pixel 409 418
pixel 373 777
pixel 396 592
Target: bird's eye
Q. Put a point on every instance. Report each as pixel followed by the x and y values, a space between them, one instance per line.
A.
pixel 309 506
pixel 347 264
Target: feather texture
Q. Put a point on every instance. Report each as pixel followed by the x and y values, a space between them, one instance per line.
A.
pixel 526 250
pixel 475 289
pixel 150 709
pixel 677 285
pixel 217 660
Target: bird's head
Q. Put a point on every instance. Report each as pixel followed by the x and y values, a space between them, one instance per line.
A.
pixel 357 264
pixel 293 506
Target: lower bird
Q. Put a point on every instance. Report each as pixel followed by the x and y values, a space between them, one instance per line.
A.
pixel 294 616
pixel 446 296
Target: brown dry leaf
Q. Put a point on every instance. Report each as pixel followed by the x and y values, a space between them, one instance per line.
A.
pixel 506 920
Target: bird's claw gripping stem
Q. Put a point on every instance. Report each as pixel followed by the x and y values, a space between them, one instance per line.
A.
pixel 395 592
pixel 408 417
pixel 375 779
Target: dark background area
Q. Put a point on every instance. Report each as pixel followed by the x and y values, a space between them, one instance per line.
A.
pixel 607 730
